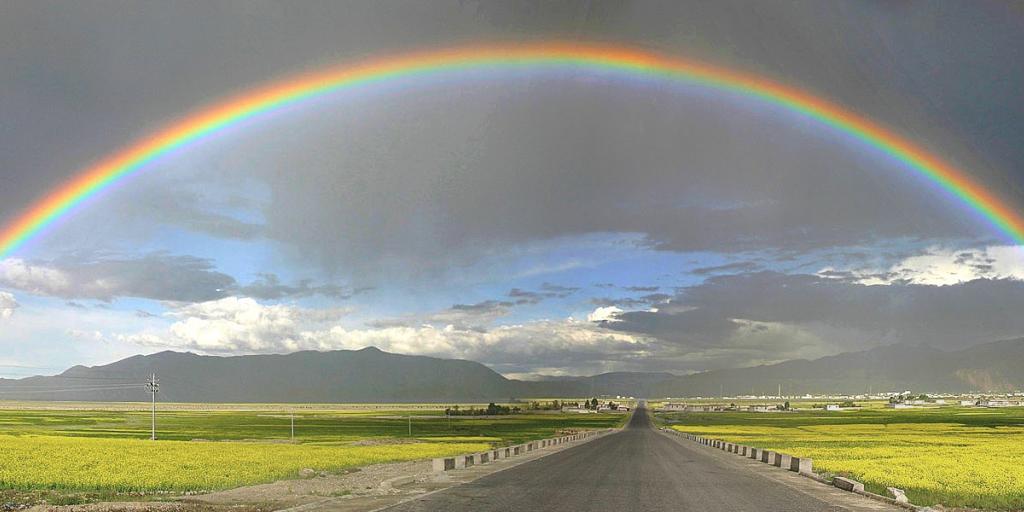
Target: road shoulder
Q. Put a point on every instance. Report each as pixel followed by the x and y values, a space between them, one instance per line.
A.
pixel 826 493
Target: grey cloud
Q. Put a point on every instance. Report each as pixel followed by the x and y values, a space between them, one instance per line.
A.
pixel 547 291
pixel 844 313
pixel 269 286
pixel 157 276
pixel 473 316
pixel 737 267
pixel 649 300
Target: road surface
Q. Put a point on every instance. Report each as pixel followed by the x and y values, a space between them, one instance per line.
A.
pixel 640 469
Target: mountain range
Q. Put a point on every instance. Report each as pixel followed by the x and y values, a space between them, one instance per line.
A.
pixel 371 375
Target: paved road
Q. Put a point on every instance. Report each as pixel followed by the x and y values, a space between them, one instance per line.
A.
pixel 637 469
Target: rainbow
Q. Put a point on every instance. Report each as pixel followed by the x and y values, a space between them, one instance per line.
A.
pixel 594 57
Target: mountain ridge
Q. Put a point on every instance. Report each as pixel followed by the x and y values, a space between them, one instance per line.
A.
pixel 373 375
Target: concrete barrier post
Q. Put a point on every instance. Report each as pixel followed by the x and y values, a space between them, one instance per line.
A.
pixel 848 484
pixel 783 460
pixel 767 456
pixel 485 457
pixel 743 450
pixel 801 465
pixel 516 450
pixel 470 460
pixel 755 453
pixel 496 455
pixel 444 464
pixel 460 462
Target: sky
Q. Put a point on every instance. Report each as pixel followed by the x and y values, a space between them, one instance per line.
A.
pixel 544 223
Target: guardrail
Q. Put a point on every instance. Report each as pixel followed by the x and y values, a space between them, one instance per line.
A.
pixel 800 465
pixel 473 459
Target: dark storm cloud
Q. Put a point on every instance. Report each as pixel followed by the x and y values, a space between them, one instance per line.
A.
pixel 440 175
pixel 532 159
pixel 951 316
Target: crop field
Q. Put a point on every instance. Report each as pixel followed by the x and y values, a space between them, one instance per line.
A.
pixel 109 449
pixel 963 457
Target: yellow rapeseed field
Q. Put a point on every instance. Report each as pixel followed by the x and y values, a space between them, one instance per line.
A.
pixel 53 462
pixel 948 463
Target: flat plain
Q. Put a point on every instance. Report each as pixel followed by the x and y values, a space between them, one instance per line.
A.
pixel 954 456
pixel 105 448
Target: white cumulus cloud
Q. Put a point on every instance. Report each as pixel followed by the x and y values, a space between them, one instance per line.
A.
pixel 944 266
pixel 242 325
pixel 7 305
pixel 604 314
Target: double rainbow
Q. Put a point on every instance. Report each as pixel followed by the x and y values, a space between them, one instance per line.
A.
pixel 619 59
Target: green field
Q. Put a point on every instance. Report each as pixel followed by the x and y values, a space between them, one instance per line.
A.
pixel 107 448
pixel 955 456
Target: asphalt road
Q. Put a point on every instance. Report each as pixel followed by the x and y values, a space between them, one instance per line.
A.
pixel 637 469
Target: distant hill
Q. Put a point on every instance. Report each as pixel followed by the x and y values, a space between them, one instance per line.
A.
pixel 367 375
pixel 997 366
pixel 371 375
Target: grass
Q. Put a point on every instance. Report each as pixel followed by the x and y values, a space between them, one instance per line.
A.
pixel 106 449
pixel 953 456
pixel 32 462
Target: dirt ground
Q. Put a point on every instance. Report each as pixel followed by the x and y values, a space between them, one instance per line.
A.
pixel 362 487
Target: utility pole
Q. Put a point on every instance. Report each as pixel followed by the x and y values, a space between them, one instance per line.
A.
pixel 153 385
pixel 410 425
pixel 293 425
pixel 780 390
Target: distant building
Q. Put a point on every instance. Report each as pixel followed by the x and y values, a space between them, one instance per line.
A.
pixel 693 408
pixel 899 405
pixel 832 407
pixel 999 403
pixel 968 403
pixel 578 410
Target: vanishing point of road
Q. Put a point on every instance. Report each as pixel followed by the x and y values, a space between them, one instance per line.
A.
pixel 641 469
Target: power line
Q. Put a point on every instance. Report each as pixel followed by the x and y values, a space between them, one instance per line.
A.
pixel 153 385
